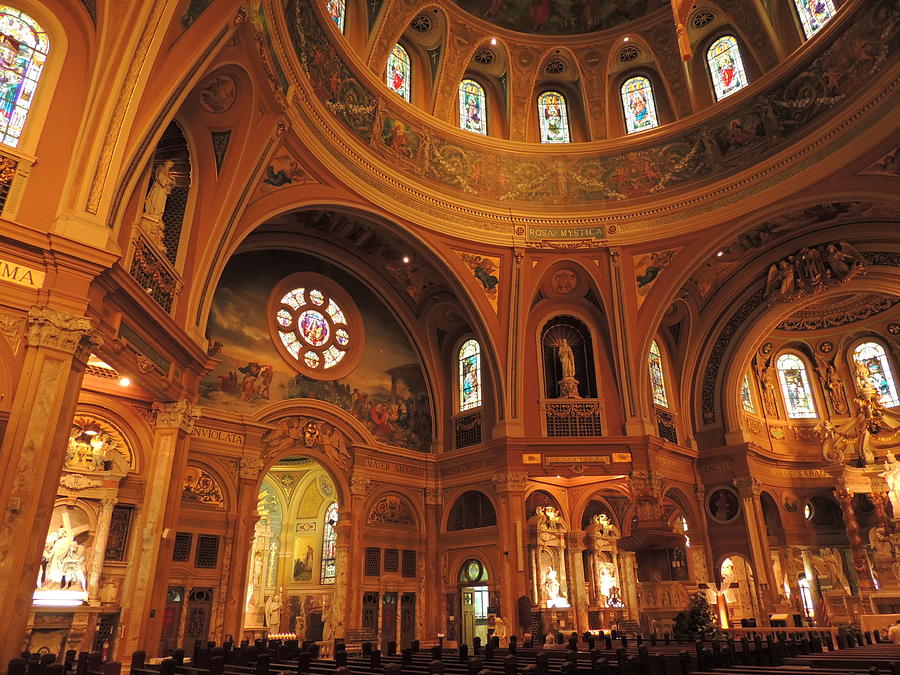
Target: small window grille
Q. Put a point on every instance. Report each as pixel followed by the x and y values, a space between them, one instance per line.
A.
pixel 467 430
pixel 702 18
pixel 106 628
pixel 409 564
pixel 472 510
pixel 628 53
pixel 484 56
pixel 119 524
pixel 181 551
pixel 665 425
pixel 421 23
pixel 391 560
pixel 207 551
pixel 555 67
pixel 373 562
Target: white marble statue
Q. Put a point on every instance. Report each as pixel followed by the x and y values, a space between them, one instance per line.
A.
pixel 501 632
pixel 891 475
pixel 552 595
pixel 605 528
pixel 566 359
pixel 162 185
pixel 56 548
pixel 273 612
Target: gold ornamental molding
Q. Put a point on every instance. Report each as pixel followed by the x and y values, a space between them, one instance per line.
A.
pixel 760 160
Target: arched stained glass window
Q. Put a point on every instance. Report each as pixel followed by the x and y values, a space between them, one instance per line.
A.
pixel 23 51
pixel 329 544
pixel 553 116
pixel 798 398
pixel 472 107
pixel 872 356
pixel 398 71
pixel 814 14
pixel 657 381
pixel 337 10
pixel 469 375
pixel 638 104
pixel 726 66
pixel 746 396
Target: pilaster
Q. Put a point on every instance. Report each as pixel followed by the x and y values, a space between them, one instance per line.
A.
pixel 32 455
pixel 510 488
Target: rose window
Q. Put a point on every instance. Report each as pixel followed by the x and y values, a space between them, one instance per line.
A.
pixel 316 325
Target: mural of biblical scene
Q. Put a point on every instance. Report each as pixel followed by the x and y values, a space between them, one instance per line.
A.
pixel 795 387
pixel 23 51
pixel 726 66
pixel 647 269
pixel 285 170
pixel 398 72
pixel 872 357
pixel 554 118
pixel 814 14
pixel 337 9
pixel 486 269
pixel 400 138
pixel 472 107
pixel 559 18
pixel 386 391
pixel 638 104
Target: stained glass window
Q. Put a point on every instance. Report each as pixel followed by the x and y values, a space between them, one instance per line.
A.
pixel 337 9
pixel 726 66
pixel 814 14
pixel 795 387
pixel 311 322
pixel 657 381
pixel 397 76
pixel 873 357
pixel 472 107
pixel 469 375
pixel 638 104
pixel 553 116
pixel 23 51
pixel 746 396
pixel 329 544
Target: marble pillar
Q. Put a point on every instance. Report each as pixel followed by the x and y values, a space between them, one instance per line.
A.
pixel 344 530
pixel 98 548
pixel 431 594
pixel 749 491
pixel 242 542
pixel 145 593
pixel 57 345
pixel 577 595
pixel 510 489
pixel 359 489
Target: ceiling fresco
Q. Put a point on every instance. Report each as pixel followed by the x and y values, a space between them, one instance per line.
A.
pixel 559 17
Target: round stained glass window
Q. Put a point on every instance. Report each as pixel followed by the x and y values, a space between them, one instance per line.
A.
pixel 316 326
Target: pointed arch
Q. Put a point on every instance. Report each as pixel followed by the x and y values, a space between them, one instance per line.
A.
pixel 638 104
pixel 399 72
pixel 726 67
pixel 472 107
pixel 553 118
pixel 795 387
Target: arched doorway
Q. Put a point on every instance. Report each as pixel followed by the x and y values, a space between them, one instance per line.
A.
pixel 474 598
pixel 292 561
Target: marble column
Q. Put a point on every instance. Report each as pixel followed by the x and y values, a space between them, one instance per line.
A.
pixel 342 588
pixel 57 345
pixel 98 549
pixel 577 596
pixel 242 542
pixel 860 563
pixel 628 582
pixel 510 490
pixel 144 597
pixel 749 491
pixel 433 584
pixel 359 489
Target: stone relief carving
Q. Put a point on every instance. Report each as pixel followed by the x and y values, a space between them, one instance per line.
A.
pixel 513 480
pixel 391 510
pixel 59 330
pixel 78 481
pixel 181 414
pixel 813 270
pixel 11 328
pixel 250 467
pixel 291 433
pixel 201 487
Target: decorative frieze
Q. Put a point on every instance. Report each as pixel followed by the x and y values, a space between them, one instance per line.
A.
pixel 178 414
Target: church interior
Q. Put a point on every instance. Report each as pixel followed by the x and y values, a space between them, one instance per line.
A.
pixel 446 323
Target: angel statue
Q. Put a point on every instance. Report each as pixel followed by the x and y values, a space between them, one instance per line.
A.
pixel 781 279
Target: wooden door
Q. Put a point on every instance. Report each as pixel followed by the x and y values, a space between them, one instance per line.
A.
pixel 388 619
pixel 171 619
pixel 199 610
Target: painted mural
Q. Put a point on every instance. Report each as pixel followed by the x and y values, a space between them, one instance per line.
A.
pixel 711 150
pixel 559 17
pixel 386 391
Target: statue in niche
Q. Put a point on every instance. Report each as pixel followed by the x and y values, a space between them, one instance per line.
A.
pixel 568 385
pixel 273 612
pixel 63 561
pixel 160 188
pixel 831 380
pixel 551 589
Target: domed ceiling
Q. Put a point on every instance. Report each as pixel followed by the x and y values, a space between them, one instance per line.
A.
pixel 559 17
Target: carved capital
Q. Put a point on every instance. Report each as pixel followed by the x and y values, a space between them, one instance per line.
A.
pixel 108 503
pixel 179 414
pixel 66 332
pixel 748 487
pixel 250 467
pixel 508 481
pixel 359 485
pixel 433 496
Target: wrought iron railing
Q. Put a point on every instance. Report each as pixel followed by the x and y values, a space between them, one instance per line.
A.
pixel 573 417
pixel 154 273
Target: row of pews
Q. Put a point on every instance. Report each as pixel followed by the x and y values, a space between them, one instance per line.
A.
pixel 784 653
